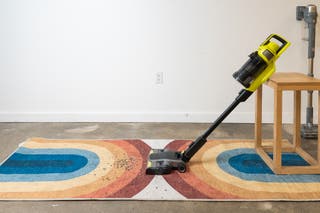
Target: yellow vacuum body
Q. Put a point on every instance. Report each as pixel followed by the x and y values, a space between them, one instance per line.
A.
pixel 261 63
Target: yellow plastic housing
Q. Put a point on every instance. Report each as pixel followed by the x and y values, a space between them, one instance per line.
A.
pixel 276 51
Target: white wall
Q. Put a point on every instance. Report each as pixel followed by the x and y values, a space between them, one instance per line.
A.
pixel 81 60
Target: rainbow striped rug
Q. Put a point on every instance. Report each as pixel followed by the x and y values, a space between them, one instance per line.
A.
pixel 43 169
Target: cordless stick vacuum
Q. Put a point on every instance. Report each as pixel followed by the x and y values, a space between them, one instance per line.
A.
pixel 258 68
pixel 309 15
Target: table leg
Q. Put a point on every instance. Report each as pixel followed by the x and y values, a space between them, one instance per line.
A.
pixel 258 118
pixel 297 119
pixel 277 133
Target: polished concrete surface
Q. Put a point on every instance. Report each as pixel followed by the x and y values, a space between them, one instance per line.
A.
pixel 11 134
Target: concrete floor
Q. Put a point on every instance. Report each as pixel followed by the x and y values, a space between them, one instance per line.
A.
pixel 11 134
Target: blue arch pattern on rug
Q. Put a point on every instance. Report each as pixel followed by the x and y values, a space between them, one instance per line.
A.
pixel 29 165
pixel 244 163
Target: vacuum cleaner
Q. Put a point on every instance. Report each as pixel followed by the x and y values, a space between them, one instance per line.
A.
pixel 309 15
pixel 256 70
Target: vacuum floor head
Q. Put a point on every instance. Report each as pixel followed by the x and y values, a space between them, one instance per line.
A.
pixel 162 161
pixel 309 131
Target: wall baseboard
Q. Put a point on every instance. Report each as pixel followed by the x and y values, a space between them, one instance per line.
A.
pixel 193 117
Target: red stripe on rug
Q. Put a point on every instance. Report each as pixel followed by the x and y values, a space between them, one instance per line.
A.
pixel 188 184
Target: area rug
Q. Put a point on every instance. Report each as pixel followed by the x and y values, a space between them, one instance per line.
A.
pixel 225 170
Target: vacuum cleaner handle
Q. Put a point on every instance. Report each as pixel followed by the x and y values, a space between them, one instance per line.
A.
pixel 282 40
pixel 284 43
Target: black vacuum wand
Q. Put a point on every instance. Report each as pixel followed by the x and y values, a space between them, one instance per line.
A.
pixel 258 68
pixel 200 141
pixel 309 15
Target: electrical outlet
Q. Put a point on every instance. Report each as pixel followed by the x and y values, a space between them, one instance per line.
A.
pixel 159 78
